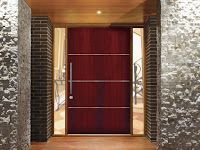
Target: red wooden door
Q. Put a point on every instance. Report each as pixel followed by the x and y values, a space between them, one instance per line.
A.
pixel 98 81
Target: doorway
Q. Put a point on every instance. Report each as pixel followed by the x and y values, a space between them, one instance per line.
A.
pixel 98 97
pixel 99 83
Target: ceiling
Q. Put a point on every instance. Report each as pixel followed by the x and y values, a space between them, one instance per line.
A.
pixel 84 11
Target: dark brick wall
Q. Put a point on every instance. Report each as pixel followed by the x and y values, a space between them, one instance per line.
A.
pixel 151 77
pixel 41 79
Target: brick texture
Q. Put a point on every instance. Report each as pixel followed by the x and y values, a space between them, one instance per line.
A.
pixel 41 79
pixel 151 77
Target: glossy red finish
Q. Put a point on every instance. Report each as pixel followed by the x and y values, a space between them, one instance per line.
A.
pixel 108 94
pixel 98 121
pixel 89 68
pixel 99 40
pixel 100 67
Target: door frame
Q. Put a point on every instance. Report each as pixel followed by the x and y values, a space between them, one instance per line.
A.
pixel 99 25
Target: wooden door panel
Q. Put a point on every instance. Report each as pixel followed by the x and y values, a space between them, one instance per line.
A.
pixel 99 77
pixel 99 121
pixel 105 94
pixel 100 67
pixel 98 41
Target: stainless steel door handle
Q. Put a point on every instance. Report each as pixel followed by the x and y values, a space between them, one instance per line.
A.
pixel 70 80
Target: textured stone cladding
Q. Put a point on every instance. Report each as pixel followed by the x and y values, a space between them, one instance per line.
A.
pixel 41 79
pixel 15 50
pixel 151 77
pixel 24 75
pixel 179 106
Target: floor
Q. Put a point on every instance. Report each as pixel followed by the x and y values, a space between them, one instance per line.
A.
pixel 95 143
pixel 138 119
pixel 59 120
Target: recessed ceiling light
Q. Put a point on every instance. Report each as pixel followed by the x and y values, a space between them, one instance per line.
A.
pixel 99 12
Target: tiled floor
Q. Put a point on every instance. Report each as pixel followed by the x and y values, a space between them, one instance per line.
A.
pixel 59 118
pixel 138 119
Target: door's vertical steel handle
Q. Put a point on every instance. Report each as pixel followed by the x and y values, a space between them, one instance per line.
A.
pixel 70 81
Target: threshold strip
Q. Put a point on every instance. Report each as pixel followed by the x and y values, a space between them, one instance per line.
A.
pixel 128 135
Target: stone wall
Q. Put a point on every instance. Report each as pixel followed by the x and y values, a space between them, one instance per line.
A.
pixel 41 79
pixel 24 58
pixel 14 74
pixel 151 77
pixel 179 101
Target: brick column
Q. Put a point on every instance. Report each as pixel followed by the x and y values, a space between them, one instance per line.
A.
pixel 41 79
pixel 151 77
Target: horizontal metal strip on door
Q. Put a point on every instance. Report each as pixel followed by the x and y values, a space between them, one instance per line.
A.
pixel 99 54
pixel 126 81
pixel 100 107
